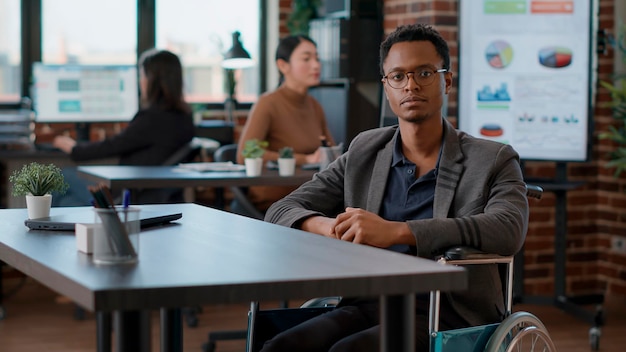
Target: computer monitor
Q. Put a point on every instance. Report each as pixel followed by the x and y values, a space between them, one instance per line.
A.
pixel 84 93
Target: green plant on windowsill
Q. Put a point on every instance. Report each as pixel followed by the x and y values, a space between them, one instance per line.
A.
pixel 285 153
pixel 617 134
pixel 254 148
pixel 38 180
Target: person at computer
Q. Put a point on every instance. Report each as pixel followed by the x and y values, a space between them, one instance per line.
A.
pixel 417 188
pixel 162 125
pixel 288 116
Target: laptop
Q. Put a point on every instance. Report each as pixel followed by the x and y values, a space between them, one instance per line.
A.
pixel 66 222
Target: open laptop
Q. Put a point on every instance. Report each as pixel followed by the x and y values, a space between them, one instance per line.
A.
pixel 66 222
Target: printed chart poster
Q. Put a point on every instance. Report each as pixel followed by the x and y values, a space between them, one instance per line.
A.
pixel 525 75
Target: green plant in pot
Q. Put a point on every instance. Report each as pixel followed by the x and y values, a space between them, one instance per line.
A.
pixel 285 153
pixel 37 182
pixel 286 161
pixel 254 148
pixel 252 152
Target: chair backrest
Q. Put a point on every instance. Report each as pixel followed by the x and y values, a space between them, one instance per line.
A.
pixel 226 152
pixel 184 154
pixel 245 207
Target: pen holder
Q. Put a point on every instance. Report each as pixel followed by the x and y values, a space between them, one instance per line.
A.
pixel 116 235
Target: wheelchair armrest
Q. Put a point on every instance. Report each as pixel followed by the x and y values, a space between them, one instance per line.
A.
pixel 467 255
pixel 534 191
pixel 332 301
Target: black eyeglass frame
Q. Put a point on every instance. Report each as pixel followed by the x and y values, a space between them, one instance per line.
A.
pixel 406 74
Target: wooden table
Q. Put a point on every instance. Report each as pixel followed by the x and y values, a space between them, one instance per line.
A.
pixel 118 177
pixel 215 257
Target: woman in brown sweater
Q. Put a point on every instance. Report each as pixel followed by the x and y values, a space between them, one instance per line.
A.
pixel 288 116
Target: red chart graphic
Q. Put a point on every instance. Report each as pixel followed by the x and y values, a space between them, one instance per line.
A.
pixel 555 57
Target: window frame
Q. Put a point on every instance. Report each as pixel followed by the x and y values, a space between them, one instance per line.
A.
pixel 31 44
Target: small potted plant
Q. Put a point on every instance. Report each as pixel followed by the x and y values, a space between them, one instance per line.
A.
pixel 37 182
pixel 252 152
pixel 286 162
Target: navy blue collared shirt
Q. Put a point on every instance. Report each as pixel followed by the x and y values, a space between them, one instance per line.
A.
pixel 408 198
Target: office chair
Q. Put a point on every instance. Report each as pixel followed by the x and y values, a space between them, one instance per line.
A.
pixel 517 329
pixel 241 204
pixel 184 154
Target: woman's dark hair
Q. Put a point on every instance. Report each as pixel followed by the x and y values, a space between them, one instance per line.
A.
pixel 164 74
pixel 287 45
pixel 415 32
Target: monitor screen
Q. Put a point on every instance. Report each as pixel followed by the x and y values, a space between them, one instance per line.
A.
pixel 526 75
pixel 84 93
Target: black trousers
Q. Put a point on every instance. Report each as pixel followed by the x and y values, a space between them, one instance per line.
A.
pixel 352 327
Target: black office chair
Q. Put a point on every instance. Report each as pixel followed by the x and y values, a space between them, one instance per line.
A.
pixel 184 154
pixel 240 204
pixel 265 324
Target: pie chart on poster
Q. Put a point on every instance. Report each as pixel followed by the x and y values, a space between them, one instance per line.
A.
pixel 555 57
pixel 499 54
pixel 491 130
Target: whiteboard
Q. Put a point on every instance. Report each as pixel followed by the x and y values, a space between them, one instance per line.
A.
pixel 525 75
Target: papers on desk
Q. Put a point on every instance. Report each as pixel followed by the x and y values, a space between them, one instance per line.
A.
pixel 212 166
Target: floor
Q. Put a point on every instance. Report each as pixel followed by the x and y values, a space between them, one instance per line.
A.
pixel 39 320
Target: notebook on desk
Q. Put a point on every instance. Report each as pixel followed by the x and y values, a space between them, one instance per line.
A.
pixel 66 222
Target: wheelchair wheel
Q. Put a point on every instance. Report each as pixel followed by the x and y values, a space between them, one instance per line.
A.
pixel 521 331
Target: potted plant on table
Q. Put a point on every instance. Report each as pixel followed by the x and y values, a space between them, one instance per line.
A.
pixel 286 161
pixel 37 182
pixel 252 152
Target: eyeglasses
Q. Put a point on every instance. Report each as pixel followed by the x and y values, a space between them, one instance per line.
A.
pixel 399 79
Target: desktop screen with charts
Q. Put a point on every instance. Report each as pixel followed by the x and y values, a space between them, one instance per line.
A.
pixel 84 93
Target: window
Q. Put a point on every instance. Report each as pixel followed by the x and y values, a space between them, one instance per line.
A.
pixel 10 48
pixel 89 31
pixel 200 31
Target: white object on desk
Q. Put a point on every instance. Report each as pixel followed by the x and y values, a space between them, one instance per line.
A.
pixel 213 166
pixel 84 237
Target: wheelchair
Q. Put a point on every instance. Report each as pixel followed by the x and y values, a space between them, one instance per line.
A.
pixel 519 331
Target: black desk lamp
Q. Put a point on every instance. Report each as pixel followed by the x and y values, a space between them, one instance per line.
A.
pixel 235 58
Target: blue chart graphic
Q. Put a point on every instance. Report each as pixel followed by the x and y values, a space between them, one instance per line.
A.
pixel 500 94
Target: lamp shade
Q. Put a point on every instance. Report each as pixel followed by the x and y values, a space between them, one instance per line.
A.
pixel 237 57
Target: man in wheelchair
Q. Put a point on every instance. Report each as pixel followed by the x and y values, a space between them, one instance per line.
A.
pixel 418 188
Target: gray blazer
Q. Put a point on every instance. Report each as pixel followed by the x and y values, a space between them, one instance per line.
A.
pixel 480 201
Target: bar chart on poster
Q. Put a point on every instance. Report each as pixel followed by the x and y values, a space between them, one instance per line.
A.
pixel 525 75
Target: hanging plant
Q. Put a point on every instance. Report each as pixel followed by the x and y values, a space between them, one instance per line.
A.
pixel 617 134
pixel 302 12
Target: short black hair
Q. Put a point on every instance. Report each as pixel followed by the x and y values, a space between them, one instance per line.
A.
pixel 415 32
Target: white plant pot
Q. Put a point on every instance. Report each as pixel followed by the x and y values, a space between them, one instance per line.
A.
pixel 253 166
pixel 286 166
pixel 38 206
